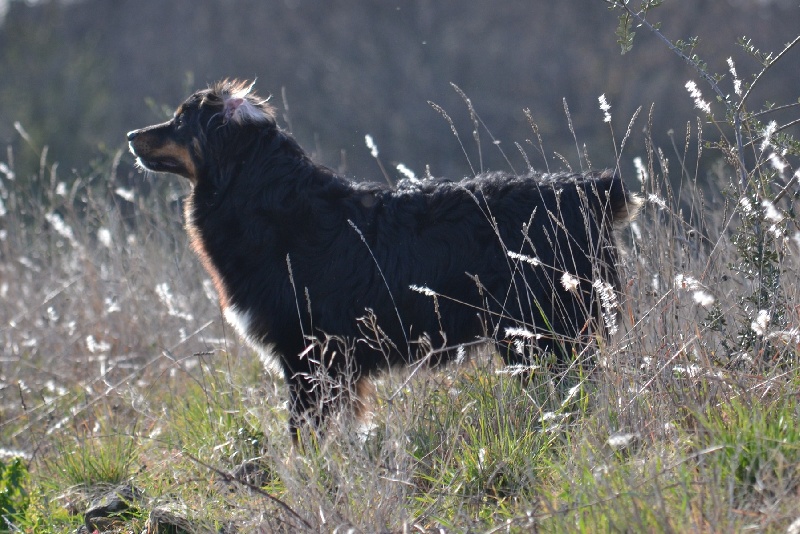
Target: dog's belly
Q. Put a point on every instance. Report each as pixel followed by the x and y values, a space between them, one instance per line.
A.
pixel 242 321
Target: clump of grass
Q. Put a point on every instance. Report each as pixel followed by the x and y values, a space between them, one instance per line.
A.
pixel 482 443
pixel 757 444
pixel 99 458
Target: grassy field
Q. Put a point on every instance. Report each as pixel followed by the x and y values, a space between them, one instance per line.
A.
pixel 116 367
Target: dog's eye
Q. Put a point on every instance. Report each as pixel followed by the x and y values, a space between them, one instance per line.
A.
pixel 179 121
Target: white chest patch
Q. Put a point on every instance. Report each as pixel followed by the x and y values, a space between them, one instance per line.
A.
pixel 242 322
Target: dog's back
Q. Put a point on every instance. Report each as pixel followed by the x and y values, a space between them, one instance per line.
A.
pixel 488 254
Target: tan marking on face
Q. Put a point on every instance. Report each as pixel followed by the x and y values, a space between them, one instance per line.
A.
pixel 146 147
pixel 181 154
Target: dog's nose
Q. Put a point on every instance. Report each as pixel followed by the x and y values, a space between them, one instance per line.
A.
pixel 132 134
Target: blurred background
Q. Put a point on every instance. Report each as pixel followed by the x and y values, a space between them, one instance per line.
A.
pixel 75 75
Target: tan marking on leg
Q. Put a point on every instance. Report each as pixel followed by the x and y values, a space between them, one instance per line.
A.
pixel 363 399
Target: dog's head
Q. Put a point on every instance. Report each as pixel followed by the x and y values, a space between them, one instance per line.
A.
pixel 186 144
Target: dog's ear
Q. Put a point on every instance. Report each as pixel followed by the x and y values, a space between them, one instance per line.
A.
pixel 232 105
pixel 239 110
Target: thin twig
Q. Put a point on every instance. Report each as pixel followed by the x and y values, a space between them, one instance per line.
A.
pixel 774 109
pixel 789 185
pixel 765 69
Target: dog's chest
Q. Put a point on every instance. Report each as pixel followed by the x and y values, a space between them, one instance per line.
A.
pixel 242 321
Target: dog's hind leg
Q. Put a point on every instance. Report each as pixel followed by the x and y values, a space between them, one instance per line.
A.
pixel 307 405
pixel 363 396
pixel 313 398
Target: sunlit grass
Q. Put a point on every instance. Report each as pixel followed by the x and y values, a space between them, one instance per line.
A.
pixel 116 367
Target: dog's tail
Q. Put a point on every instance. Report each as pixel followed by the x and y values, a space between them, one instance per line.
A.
pixel 613 207
pixel 610 199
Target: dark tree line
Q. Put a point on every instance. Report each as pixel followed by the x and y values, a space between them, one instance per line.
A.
pixel 78 75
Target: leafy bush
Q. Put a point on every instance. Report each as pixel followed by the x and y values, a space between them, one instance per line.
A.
pixel 762 188
pixel 13 493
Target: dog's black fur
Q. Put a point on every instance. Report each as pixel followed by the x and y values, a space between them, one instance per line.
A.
pixel 298 253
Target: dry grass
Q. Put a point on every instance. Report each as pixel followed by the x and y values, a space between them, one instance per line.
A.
pixel 116 366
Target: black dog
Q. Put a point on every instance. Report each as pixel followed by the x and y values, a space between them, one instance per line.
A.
pixel 301 256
